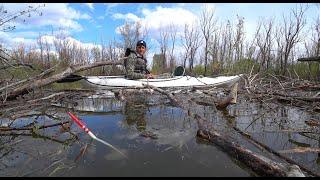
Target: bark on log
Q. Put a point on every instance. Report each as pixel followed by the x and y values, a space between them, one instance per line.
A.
pixel 30 128
pixel 24 89
pixel 287 97
pixel 316 58
pixel 312 122
pixel 259 164
pixel 259 144
pixel 44 73
pixel 16 65
pixel 301 150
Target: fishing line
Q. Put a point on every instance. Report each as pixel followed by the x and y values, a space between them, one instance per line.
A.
pixel 84 127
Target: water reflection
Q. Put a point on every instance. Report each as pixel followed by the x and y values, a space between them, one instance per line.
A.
pixel 176 151
pixel 135 114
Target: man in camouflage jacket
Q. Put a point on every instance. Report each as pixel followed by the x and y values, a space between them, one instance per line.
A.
pixel 136 63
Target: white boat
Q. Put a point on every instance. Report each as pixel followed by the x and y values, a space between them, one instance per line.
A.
pixel 108 82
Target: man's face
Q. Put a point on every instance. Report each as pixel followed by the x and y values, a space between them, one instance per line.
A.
pixel 141 50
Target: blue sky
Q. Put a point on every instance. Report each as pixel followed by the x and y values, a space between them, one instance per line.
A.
pixel 87 23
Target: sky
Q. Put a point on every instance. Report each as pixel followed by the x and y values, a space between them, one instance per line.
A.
pixel 88 23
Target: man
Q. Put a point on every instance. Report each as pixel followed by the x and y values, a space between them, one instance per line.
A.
pixel 136 63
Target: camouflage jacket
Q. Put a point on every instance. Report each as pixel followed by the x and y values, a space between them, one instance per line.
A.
pixel 136 66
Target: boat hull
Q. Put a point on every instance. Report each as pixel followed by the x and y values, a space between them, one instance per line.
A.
pixel 108 82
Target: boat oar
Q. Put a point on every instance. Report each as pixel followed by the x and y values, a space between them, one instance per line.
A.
pixel 83 126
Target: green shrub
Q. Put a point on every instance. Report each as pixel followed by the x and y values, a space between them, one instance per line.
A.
pixel 304 72
pixel 198 69
pixel 242 66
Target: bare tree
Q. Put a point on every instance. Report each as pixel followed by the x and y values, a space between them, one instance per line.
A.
pixel 41 47
pixel 113 55
pixel 96 53
pixel 47 46
pixel 186 43
pixel 229 43
pixel 207 24
pixel 290 35
pixel 214 51
pixel 239 38
pixel 172 35
pixel 223 45
pixel 316 38
pixel 6 17
pixel 312 45
pixel 264 41
pixel 163 41
pixel 19 53
pixel 6 20
pixel 191 41
pixel 131 33
pixel 251 45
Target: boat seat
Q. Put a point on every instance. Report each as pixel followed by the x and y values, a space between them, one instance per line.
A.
pixel 179 71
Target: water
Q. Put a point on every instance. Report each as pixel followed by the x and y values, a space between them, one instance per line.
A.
pixel 176 151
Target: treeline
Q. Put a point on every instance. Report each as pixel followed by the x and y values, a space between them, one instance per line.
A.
pixel 214 47
pixel 209 47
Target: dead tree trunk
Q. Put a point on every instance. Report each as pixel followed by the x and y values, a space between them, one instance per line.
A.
pixel 258 163
pixel 26 88
pixel 316 59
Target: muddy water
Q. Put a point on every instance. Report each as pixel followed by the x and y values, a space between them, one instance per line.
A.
pixel 171 148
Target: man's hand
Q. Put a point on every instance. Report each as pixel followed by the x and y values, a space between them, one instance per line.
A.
pixel 149 76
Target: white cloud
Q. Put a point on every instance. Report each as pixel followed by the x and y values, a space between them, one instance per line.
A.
pixel 127 17
pixel 166 16
pixel 20 40
pixel 25 34
pixel 4 37
pixel 70 24
pixel 90 5
pixel 72 41
pixel 53 14
pixel 50 39
pixel 160 17
pixel 38 51
pixel 112 5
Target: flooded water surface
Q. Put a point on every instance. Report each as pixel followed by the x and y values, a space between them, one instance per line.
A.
pixel 158 139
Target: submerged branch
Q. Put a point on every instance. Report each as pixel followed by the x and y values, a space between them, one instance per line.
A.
pixel 31 128
pixel 258 163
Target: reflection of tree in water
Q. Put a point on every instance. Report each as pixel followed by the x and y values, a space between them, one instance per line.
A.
pixel 135 112
pixel 98 104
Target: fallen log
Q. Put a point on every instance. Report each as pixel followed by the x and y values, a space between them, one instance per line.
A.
pixel 15 65
pixel 277 153
pixel 288 97
pixel 44 73
pixel 316 58
pixel 312 122
pixel 301 150
pixel 26 88
pixel 30 128
pixel 37 136
pixel 259 164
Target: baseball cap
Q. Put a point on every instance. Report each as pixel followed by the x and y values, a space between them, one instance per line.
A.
pixel 142 42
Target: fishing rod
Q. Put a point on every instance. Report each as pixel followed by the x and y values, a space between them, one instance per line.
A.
pixel 84 127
